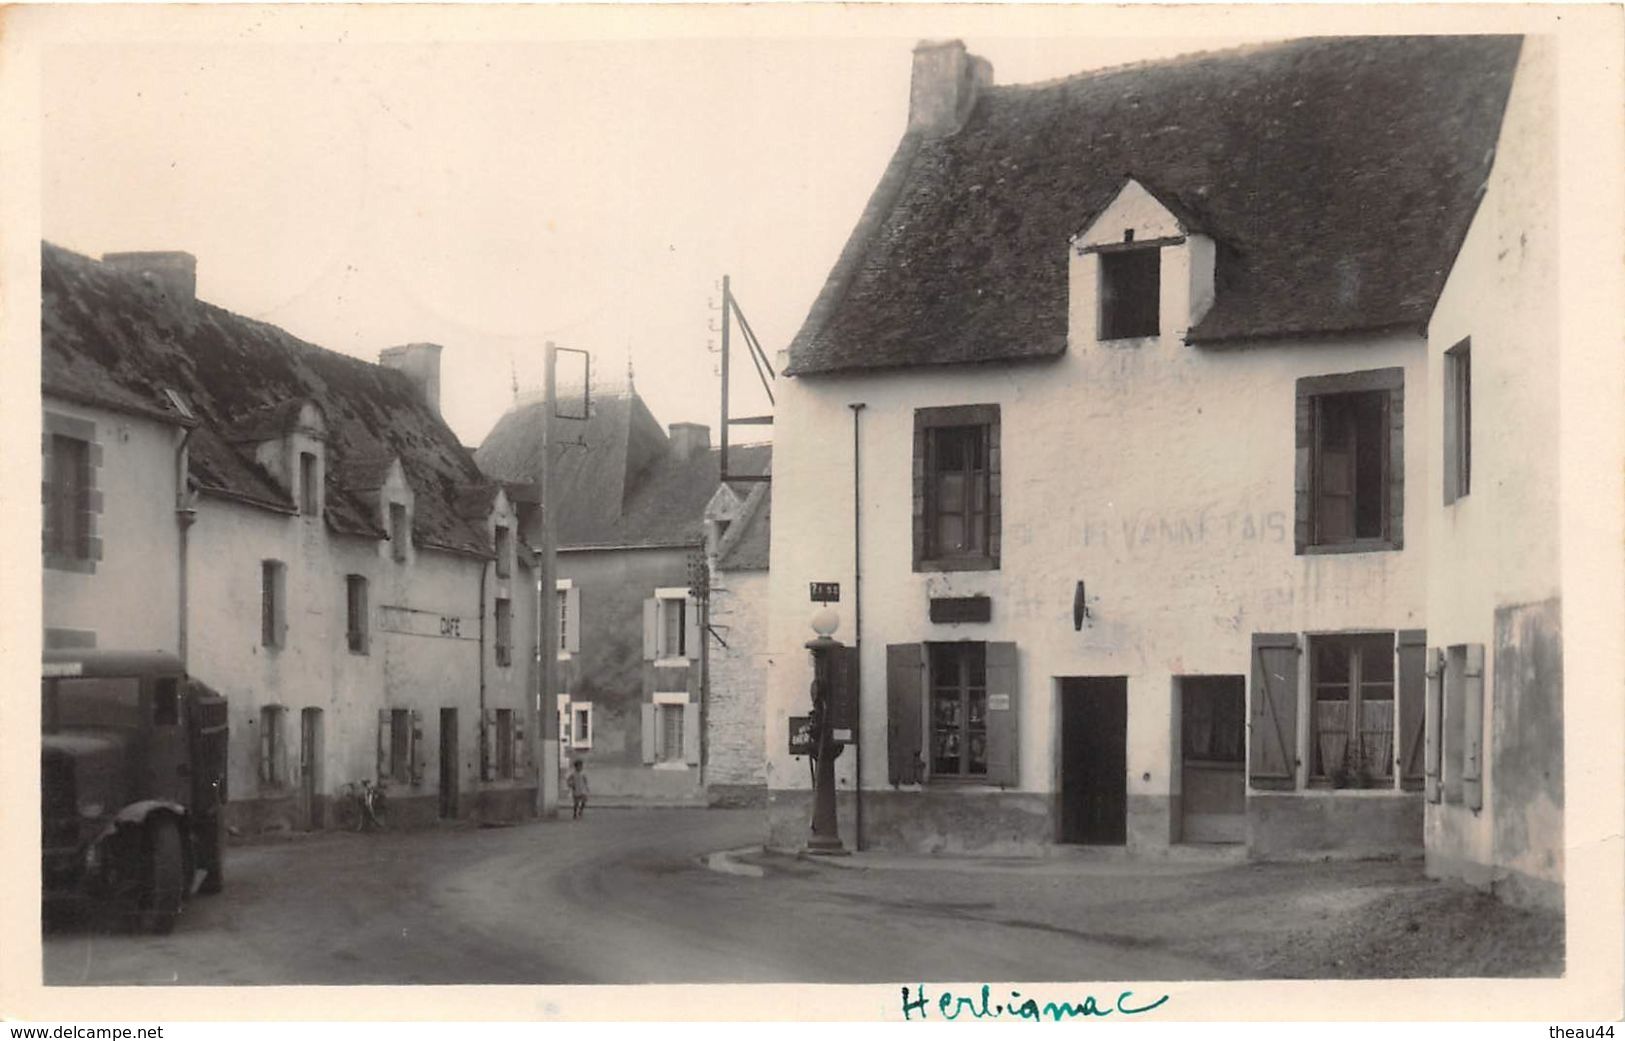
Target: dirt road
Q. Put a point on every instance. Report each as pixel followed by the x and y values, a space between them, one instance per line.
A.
pixel 622 897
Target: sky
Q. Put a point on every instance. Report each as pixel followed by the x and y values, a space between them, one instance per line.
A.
pixel 492 195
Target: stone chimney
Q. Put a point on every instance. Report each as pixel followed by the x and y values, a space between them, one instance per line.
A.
pixel 172 273
pixel 944 87
pixel 421 364
pixel 689 438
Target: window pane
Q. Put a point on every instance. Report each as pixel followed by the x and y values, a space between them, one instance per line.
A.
pixel 951 492
pixel 1370 464
pixel 950 532
pixel 1331 661
pixel 1376 660
pixel 671 725
pixel 950 454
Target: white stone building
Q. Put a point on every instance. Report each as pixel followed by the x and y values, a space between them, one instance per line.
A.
pixel 302 529
pixel 1151 448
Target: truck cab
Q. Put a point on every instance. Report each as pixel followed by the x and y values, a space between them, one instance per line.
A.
pixel 132 782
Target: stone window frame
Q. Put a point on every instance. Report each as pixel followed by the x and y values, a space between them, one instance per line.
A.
pixel 927 420
pixel 87 551
pixel 1310 390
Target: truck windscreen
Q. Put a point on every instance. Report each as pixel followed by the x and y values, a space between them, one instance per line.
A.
pixel 93 702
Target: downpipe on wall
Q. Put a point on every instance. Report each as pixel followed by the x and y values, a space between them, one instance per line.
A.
pixel 857 626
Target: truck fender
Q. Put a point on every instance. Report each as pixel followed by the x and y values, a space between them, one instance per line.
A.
pixel 137 814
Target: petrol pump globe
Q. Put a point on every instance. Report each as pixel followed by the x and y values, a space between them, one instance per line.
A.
pixel 825 621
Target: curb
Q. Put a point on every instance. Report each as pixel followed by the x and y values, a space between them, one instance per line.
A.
pixel 724 863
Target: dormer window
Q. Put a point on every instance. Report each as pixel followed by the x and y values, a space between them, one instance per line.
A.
pixel 1130 292
pixel 308 486
pixel 504 547
pixel 399 532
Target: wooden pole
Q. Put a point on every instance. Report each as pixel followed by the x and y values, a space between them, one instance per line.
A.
pixel 547 764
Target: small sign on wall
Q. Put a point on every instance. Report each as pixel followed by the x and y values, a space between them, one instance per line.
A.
pixel 826 592
pixel 998 703
pixel 801 736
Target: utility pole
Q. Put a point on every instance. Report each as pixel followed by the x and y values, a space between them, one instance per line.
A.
pixel 547 764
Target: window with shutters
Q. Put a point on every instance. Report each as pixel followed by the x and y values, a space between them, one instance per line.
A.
pixel 1350 462
pixel 273 746
pixel 1352 724
pixel 273 603
pixel 958 710
pixel 673 624
pixel 504 633
pixel 504 744
pixel 956 488
pixel 71 504
pixel 357 631
pixel 1458 421
pixel 952 713
pixel 1130 292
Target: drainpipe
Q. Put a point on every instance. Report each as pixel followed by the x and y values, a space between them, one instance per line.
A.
pixel 480 721
pixel 857 622
pixel 185 517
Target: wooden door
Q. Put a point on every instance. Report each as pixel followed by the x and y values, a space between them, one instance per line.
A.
pixel 1094 760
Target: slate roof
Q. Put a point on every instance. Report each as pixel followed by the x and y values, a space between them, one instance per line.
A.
pixel 110 339
pixel 617 479
pixel 749 552
pixel 1338 176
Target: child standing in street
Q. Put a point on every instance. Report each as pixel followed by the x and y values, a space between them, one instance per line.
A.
pixel 577 780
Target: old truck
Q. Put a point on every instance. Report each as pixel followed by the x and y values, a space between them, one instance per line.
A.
pixel 132 783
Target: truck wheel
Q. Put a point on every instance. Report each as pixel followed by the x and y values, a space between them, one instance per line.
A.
pixel 211 853
pixel 164 884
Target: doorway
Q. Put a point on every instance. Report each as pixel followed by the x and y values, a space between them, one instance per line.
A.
pixel 310 769
pixel 1213 758
pixel 1094 760
pixel 448 762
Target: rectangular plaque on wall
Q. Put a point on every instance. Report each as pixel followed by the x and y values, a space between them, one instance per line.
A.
pixel 961 609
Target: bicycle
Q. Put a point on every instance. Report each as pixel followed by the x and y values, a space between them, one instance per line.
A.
pixel 369 800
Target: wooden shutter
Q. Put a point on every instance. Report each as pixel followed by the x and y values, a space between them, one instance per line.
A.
pixel 572 611
pixel 520 749
pixel 651 621
pixel 995 485
pixel 691 640
pixel 1273 720
pixel 1003 724
pixel 905 677
pixel 1412 692
pixel 488 727
pixel 1472 718
pixel 648 733
pixel 921 476
pixel 1396 464
pixel 1433 752
pixel 1303 432
pixel 384 734
pixel 691 734
pixel 417 747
